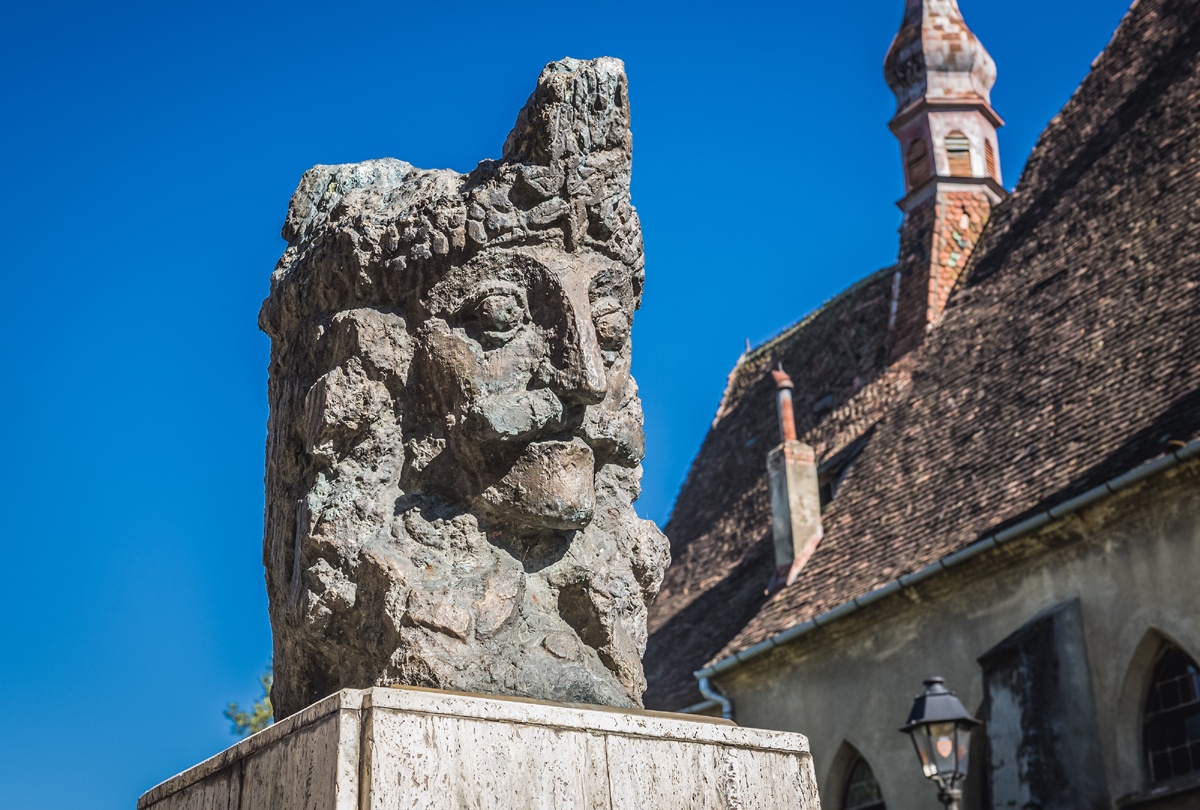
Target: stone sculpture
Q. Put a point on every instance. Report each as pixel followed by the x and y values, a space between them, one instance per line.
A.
pixel 455 439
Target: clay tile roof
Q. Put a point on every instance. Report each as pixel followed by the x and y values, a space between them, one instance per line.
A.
pixel 1070 355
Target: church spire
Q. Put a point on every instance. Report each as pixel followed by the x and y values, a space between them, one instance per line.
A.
pixel 936 57
pixel 942 77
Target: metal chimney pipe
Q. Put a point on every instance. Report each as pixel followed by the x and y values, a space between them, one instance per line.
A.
pixel 787 419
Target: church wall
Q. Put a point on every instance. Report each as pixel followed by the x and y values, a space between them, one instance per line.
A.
pixel 1131 561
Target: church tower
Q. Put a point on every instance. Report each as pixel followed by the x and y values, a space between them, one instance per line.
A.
pixel 942 78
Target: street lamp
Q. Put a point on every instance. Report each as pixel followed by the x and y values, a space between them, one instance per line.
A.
pixel 940 728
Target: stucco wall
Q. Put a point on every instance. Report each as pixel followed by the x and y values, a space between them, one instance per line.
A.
pixel 1132 562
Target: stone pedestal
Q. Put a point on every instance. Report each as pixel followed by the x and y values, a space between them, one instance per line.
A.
pixel 413 748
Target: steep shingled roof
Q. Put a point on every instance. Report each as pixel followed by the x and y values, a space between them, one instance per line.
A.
pixel 1070 354
pixel 720 528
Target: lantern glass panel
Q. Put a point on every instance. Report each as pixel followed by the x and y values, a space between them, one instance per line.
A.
pixel 963 741
pixel 924 746
pixel 944 739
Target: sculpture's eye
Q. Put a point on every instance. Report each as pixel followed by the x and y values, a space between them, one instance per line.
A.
pixel 612 327
pixel 500 312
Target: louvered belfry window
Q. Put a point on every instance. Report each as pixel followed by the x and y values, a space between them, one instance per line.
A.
pixel 958 153
pixel 989 156
pixel 862 789
pixel 918 164
pixel 1172 734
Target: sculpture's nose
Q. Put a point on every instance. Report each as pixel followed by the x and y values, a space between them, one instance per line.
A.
pixel 576 364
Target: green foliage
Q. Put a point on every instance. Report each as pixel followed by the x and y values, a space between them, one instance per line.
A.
pixel 259 716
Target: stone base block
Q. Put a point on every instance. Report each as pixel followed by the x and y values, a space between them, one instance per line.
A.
pixel 407 748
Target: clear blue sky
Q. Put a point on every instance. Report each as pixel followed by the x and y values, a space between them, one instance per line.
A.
pixel 152 149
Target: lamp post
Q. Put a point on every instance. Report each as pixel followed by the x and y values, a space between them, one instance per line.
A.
pixel 940 728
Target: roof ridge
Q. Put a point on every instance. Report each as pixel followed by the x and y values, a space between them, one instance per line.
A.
pixel 804 321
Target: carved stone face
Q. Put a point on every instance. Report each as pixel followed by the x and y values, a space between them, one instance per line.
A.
pixel 455 438
pixel 521 364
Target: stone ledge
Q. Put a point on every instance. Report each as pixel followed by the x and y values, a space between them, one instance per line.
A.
pixel 388 747
pixel 345 699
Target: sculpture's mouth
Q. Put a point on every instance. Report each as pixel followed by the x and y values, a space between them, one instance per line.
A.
pixel 551 485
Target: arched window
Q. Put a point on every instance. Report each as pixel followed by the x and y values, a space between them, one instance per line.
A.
pixel 989 157
pixel 918 164
pixel 1172 732
pixel 958 153
pixel 862 789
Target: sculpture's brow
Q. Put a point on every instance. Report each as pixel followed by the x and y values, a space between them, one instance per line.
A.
pixel 491 286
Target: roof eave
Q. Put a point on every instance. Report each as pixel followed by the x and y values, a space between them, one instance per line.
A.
pixel 1040 520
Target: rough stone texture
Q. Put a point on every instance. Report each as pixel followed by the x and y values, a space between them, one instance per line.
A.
pixel 455 438
pixel 388 748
